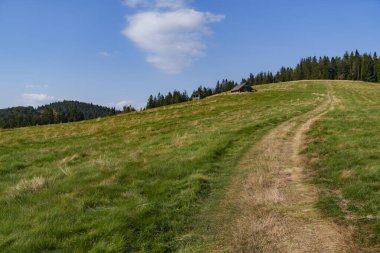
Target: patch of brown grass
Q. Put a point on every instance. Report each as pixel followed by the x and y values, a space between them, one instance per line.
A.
pixel 30 185
pixel 108 181
pixel 347 174
pixel 260 233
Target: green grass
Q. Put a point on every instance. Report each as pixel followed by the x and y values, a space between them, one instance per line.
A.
pixel 346 143
pixel 149 181
pixel 142 182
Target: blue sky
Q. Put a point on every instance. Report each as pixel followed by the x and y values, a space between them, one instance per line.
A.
pixel 113 52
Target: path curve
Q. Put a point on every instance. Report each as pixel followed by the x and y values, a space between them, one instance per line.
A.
pixel 272 206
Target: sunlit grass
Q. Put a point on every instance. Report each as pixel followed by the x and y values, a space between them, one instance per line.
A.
pixel 148 181
pixel 142 182
pixel 346 154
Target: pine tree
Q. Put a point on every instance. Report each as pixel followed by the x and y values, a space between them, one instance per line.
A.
pixel 357 66
pixel 344 71
pixel 129 108
pixel 150 103
pixel 333 69
pixel 47 116
pixel 315 74
pixel 376 63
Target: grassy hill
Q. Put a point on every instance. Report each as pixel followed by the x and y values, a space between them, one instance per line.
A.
pixel 151 181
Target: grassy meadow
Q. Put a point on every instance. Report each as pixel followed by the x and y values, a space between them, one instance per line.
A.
pixel 149 181
pixel 142 182
pixel 345 150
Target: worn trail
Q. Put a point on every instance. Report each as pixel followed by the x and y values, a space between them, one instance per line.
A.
pixel 271 203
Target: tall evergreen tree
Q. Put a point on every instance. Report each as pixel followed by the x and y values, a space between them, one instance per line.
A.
pixel 150 103
pixel 357 65
pixel 376 63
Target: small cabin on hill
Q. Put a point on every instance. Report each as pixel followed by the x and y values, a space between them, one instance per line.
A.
pixel 242 88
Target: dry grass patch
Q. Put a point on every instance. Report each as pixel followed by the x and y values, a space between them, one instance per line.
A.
pixel 181 140
pixel 261 233
pixel 30 185
pixel 70 159
pixel 347 174
pixel 102 161
pixel 108 181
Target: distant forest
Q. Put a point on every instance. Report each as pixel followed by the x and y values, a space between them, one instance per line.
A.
pixel 58 112
pixel 178 97
pixel 352 66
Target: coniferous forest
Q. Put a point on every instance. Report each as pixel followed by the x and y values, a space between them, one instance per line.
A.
pixel 58 112
pixel 352 66
pixel 178 97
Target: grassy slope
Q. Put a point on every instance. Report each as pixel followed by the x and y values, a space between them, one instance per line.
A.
pixel 138 182
pixel 346 143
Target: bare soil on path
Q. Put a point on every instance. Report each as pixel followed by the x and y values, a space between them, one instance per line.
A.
pixel 270 206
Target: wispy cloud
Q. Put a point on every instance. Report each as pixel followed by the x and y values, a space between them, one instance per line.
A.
pixel 123 103
pixel 169 31
pixel 119 105
pixel 135 3
pixel 104 53
pixel 172 4
pixel 36 99
pixel 36 86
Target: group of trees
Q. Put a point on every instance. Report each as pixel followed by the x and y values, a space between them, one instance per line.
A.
pixel 179 97
pixel 129 108
pixel 352 66
pixel 58 112
pixel 168 99
pixel 70 111
pixel 223 86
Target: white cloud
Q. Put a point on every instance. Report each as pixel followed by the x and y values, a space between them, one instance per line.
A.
pixel 104 53
pixel 36 99
pixel 169 32
pixel 172 4
pixel 121 104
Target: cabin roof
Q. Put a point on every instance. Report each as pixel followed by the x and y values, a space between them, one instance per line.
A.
pixel 238 87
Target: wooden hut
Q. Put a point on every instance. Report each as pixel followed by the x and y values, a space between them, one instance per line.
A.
pixel 242 88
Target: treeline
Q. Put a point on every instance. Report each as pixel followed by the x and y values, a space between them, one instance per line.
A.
pixel 352 66
pixel 223 86
pixel 168 99
pixel 179 97
pixel 58 112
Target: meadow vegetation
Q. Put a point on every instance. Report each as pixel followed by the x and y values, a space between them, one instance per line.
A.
pixel 150 181
pixel 141 182
pixel 345 155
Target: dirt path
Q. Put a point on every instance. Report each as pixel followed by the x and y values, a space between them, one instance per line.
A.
pixel 272 205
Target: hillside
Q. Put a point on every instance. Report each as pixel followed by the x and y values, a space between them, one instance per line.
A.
pixel 170 179
pixel 57 112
